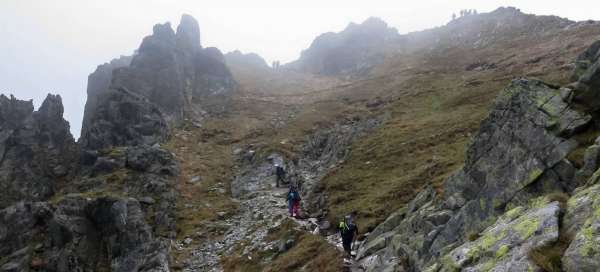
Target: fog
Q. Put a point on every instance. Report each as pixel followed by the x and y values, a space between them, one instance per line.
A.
pixel 52 46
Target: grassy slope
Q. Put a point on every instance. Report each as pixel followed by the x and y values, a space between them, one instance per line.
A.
pixel 432 106
pixel 434 112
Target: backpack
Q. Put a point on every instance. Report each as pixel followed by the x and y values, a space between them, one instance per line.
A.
pixel 343 227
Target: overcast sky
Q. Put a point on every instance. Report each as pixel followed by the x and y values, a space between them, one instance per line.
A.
pixel 52 45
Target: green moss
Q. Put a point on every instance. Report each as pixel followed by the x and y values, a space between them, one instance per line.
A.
pixel 597 212
pixel 489 265
pixel 527 227
pixel 449 265
pixel 502 251
pixel 538 202
pixel 535 173
pixel 496 202
pixel 513 213
pixel 482 204
pixel 589 246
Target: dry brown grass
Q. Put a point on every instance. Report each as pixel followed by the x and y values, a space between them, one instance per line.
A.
pixel 433 106
pixel 201 154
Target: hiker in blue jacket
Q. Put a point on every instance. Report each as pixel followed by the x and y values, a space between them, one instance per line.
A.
pixel 293 199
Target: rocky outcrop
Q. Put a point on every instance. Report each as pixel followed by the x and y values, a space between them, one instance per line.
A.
pixel 587 73
pixel 174 72
pixel 98 82
pixel 355 50
pixel 170 69
pixel 117 213
pixel 518 154
pixel 506 244
pixel 248 60
pixel 36 149
pixel 582 219
pixel 123 118
pixel 79 234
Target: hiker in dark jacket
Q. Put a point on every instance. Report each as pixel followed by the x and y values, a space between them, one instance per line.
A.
pixel 349 232
pixel 293 198
pixel 280 174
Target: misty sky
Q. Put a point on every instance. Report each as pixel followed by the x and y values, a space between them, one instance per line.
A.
pixel 52 45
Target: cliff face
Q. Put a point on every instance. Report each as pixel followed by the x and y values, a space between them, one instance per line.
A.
pixel 36 149
pixel 170 70
pixel 109 201
pixel 98 82
pixel 71 209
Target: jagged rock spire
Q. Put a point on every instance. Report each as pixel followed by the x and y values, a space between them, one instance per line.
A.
pixel 188 33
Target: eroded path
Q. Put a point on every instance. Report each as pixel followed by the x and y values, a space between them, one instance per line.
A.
pixel 219 232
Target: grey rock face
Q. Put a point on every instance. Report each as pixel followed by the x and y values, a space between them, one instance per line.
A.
pixel 585 60
pixel 587 74
pixel 583 219
pixel 98 82
pixel 353 51
pixel 322 151
pixel 249 60
pixel 505 245
pixel 174 72
pixel 122 118
pixel 517 155
pixel 36 148
pixel 188 33
pixel 78 234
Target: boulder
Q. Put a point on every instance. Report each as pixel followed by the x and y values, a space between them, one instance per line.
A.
pixel 504 246
pixel 587 74
pixel 585 60
pixel 582 219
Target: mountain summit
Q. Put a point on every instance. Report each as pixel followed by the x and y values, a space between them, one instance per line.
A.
pixel 353 50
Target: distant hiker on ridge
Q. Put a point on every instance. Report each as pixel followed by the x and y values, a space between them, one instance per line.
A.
pixel 280 175
pixel 293 199
pixel 349 233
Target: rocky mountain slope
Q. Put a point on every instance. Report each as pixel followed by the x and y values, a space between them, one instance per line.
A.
pixel 352 51
pixel 174 167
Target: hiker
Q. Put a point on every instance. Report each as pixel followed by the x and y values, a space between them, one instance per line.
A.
pixel 280 174
pixel 293 198
pixel 349 233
